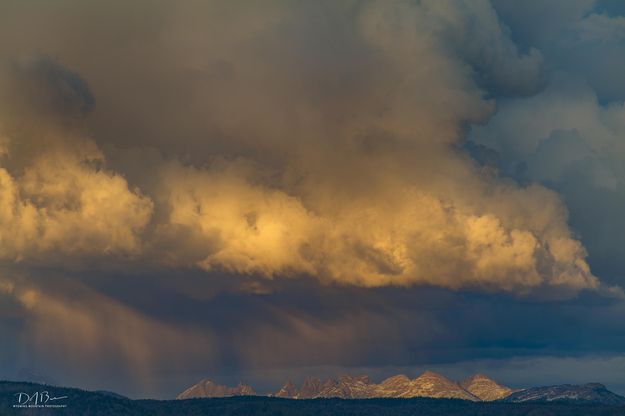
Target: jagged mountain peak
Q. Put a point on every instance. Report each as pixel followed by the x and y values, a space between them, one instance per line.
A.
pixel 477 387
pixel 485 388
pixel 399 378
pixel 349 378
pixel 288 390
pixel 431 384
pixel 310 388
pixel 434 377
pixel 243 389
pixel 347 387
pixel 205 381
pixel 207 388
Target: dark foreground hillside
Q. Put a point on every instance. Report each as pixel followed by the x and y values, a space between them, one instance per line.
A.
pixel 83 403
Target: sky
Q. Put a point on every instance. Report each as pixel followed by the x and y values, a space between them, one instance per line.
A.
pixel 267 190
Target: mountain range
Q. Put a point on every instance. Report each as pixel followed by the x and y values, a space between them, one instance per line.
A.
pixel 77 402
pixel 429 384
pixel 477 388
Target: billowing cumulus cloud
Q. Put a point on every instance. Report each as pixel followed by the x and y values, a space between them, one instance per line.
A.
pixel 408 236
pixel 570 135
pixel 56 197
pixel 333 154
pixel 59 204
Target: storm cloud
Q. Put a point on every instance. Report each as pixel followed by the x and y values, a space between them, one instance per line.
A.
pixel 257 153
pixel 333 153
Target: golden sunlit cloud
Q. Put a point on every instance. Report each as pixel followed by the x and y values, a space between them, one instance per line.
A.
pixel 355 180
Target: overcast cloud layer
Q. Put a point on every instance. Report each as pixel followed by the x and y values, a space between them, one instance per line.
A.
pixel 271 186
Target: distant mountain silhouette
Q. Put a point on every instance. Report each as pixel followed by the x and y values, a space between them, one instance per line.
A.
pixel 85 403
pixel 477 388
pixel 591 392
pixel 111 394
pixel 207 388
pixel 428 384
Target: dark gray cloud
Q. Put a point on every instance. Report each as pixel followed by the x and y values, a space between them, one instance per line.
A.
pixel 302 328
pixel 583 37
